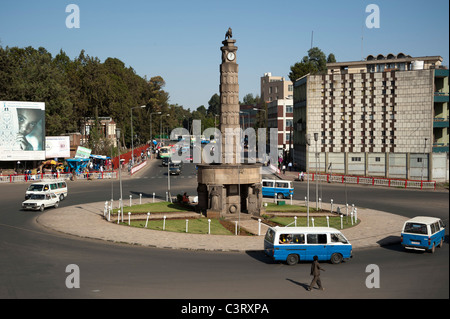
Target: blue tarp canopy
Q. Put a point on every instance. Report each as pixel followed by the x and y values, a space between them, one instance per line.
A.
pixel 103 157
pixel 77 163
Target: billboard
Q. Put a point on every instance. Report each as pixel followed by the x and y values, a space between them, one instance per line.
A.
pixel 83 152
pixel 57 146
pixel 22 131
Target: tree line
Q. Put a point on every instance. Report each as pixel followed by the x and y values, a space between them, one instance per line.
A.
pixel 75 90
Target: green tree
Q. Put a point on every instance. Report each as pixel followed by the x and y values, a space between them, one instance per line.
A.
pixel 315 63
pixel 214 105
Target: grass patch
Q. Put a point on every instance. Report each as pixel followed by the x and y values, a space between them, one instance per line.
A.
pixel 335 222
pixel 195 226
pixel 272 207
pixel 159 207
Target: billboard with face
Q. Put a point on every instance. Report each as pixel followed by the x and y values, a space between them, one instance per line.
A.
pixel 22 131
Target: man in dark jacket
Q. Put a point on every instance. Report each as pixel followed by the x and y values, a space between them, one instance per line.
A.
pixel 315 271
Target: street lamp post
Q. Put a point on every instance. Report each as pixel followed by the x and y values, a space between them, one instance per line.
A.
pixel 160 128
pixel 120 168
pixel 261 110
pixel 308 143
pixel 132 146
pixel 151 128
pixel 316 137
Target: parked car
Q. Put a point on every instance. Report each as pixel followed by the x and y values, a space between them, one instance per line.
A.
pixel 41 201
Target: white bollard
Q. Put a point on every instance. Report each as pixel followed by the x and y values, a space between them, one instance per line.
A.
pixel 259 226
pixel 235 228
pixel 109 213
pixel 295 221
pixel 105 209
pixel 320 203
pixel 129 218
pixel 164 223
pixel 153 197
pixel 356 216
pixel 275 198
pixel 148 216
pixel 187 222
pixel 342 226
pixel 209 226
pixel 291 198
pixel 328 221
pixel 140 199
pixel 130 200
pixel 167 196
pixel 306 198
pixel 312 220
pixel 351 217
pixel 331 206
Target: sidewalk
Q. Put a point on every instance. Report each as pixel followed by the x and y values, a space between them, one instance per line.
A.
pixel 87 221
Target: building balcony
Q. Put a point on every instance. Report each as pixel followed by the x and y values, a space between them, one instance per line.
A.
pixel 441 97
pixel 440 147
pixel 440 122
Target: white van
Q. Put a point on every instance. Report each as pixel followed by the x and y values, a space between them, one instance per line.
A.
pixel 294 244
pixel 282 188
pixel 423 233
pixel 57 187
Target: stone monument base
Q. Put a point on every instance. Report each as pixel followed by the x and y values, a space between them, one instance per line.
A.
pixel 229 190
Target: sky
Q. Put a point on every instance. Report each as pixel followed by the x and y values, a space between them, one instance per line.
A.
pixel 181 40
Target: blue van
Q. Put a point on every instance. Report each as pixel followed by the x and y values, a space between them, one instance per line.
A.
pixel 283 189
pixel 294 244
pixel 423 233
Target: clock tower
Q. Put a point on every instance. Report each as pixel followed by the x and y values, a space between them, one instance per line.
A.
pixel 229 97
pixel 232 188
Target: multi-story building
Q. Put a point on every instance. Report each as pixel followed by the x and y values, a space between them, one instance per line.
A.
pixel 106 127
pixel 280 116
pixel 385 116
pixel 275 88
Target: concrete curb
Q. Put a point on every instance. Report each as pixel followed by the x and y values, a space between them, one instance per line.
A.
pixel 86 221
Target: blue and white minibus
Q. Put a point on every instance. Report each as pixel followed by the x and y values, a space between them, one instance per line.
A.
pixel 423 233
pixel 282 188
pixel 294 244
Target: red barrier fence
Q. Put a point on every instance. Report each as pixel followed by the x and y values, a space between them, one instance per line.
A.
pixel 127 156
pixel 375 181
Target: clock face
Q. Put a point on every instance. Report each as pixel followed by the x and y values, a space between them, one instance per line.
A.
pixel 230 56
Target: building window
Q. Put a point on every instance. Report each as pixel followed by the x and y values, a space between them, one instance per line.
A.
pixel 289 109
pixel 290 88
pixel 377 159
pixel 356 159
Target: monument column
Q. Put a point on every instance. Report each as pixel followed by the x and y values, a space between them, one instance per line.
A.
pixel 231 189
pixel 229 100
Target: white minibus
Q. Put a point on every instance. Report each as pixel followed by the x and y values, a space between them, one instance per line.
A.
pixel 294 244
pixel 58 187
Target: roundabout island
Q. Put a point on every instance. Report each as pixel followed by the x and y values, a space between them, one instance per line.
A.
pixel 374 228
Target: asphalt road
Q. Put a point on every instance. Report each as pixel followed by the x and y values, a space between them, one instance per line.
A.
pixel 33 261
